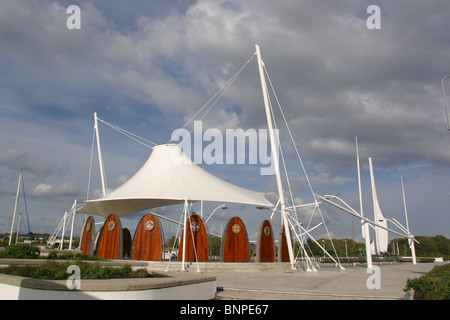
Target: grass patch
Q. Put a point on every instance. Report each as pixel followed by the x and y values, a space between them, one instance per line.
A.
pixel 20 251
pixel 435 285
pixel 64 255
pixel 51 270
pixel 26 251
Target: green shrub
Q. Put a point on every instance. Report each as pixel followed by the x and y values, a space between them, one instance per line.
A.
pixel 445 288
pixel 44 272
pixel 64 255
pixel 58 271
pixel 435 285
pixel 420 285
pixel 20 251
pixel 52 255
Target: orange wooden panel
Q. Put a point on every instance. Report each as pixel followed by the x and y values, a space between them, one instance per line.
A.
pixel 235 242
pixel 110 243
pixel 283 251
pixel 197 236
pixel 147 239
pixel 87 242
pixel 266 247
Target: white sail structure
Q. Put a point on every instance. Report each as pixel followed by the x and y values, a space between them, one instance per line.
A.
pixel 364 224
pixel 381 234
pixel 169 177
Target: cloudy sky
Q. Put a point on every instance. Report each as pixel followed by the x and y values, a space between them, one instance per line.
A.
pixel 149 66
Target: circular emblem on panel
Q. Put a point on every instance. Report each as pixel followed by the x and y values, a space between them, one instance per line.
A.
pixel 195 226
pixel 236 229
pixel 267 231
pixel 111 225
pixel 149 225
pixel 88 227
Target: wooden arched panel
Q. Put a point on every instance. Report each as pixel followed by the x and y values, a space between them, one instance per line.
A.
pixel 147 239
pixel 265 251
pixel 197 236
pixel 283 251
pixel 235 242
pixel 110 244
pixel 87 240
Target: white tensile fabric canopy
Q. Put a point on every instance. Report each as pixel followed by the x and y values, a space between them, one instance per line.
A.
pixel 169 177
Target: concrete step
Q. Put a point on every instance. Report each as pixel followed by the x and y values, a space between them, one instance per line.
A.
pixel 218 266
pixel 243 294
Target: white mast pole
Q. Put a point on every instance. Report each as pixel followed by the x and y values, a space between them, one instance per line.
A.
pixel 365 225
pixel 18 227
pixel 275 155
pixel 74 210
pixel 15 206
pixel 61 245
pixel 201 209
pixel 445 101
pixel 375 218
pixel 410 240
pixel 183 268
pixel 100 158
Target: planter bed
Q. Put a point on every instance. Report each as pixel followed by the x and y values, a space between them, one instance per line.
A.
pixel 179 285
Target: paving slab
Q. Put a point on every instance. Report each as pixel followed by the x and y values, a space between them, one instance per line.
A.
pixel 353 283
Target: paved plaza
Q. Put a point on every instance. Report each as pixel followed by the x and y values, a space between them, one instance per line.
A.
pixel 327 283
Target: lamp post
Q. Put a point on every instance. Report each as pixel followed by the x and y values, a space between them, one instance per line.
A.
pixel 222 206
pixel 266 208
pixel 323 245
pixel 346 250
pixel 445 101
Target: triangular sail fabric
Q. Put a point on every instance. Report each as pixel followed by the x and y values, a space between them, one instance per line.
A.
pixel 169 177
pixel 381 235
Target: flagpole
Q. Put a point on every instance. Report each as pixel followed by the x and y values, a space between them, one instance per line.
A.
pixel 183 260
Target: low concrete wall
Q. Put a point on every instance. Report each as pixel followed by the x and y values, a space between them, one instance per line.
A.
pixel 205 267
pixel 176 287
pixel 172 266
